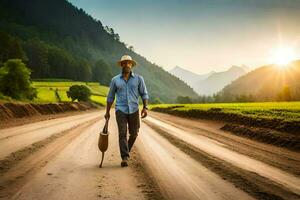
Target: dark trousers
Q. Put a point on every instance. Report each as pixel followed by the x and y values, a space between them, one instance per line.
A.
pixel 133 122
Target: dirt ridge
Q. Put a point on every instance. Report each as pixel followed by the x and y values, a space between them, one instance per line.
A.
pixel 265 135
pixel 291 127
pixel 9 111
pixel 255 185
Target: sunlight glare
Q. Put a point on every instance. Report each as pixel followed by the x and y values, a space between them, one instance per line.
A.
pixel 283 56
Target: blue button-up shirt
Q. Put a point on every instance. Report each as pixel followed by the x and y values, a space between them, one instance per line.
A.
pixel 127 92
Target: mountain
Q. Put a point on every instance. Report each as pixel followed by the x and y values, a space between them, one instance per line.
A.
pixel 58 40
pixel 210 83
pixel 187 76
pixel 218 80
pixel 266 83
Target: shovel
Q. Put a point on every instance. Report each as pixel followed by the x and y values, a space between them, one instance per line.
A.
pixel 103 141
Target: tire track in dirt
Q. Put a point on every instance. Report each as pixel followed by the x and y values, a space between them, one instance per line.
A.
pixel 35 126
pixel 20 166
pixel 281 158
pixel 14 158
pixel 66 167
pixel 20 137
pixel 251 182
pixel 178 175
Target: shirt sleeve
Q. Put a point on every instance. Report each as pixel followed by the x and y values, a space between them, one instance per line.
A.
pixel 142 89
pixel 112 91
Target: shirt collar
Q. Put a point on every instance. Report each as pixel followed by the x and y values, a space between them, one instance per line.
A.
pixel 131 74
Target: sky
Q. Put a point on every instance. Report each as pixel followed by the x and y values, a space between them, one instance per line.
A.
pixel 202 35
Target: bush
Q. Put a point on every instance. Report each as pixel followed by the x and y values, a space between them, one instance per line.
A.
pixel 157 101
pixel 15 80
pixel 183 99
pixel 79 92
pixel 6 98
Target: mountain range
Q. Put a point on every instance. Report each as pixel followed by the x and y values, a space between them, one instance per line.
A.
pixel 187 76
pixel 209 83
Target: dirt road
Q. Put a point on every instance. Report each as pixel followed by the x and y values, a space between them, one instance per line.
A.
pixel 173 158
pixel 263 171
pixel 67 167
pixel 13 139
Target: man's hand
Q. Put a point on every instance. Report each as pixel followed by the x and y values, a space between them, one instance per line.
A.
pixel 107 116
pixel 108 106
pixel 144 113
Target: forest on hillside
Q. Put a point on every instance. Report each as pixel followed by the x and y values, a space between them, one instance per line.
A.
pixel 58 40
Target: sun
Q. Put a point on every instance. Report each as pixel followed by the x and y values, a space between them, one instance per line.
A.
pixel 283 56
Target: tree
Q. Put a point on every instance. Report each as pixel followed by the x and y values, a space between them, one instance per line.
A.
pixel 156 101
pixel 15 80
pixel 102 72
pixel 79 92
pixel 131 48
pixel 62 64
pixel 117 37
pixel 184 99
pixel 84 70
pixel 285 94
pixel 107 29
pixel 37 53
pixel 10 48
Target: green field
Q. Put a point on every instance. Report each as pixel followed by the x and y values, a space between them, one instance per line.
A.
pixel 279 110
pixel 284 116
pixel 46 91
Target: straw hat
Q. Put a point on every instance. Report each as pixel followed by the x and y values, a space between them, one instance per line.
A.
pixel 126 57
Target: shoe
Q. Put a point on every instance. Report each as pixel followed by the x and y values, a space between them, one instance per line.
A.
pixel 124 162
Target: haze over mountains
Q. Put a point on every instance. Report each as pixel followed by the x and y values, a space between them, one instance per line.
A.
pixel 209 83
pixel 266 83
pixel 188 76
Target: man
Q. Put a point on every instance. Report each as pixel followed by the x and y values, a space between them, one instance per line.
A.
pixel 127 86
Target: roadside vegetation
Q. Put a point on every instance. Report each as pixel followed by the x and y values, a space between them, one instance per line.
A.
pixel 276 123
pixel 15 81
pixel 55 90
pixel 16 86
pixel 281 116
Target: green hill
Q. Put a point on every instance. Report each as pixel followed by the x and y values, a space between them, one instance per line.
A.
pixel 266 83
pixel 59 40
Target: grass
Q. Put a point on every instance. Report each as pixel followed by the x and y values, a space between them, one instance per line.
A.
pixel 45 94
pixel 279 110
pixel 99 99
pixel 281 116
pixel 46 90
